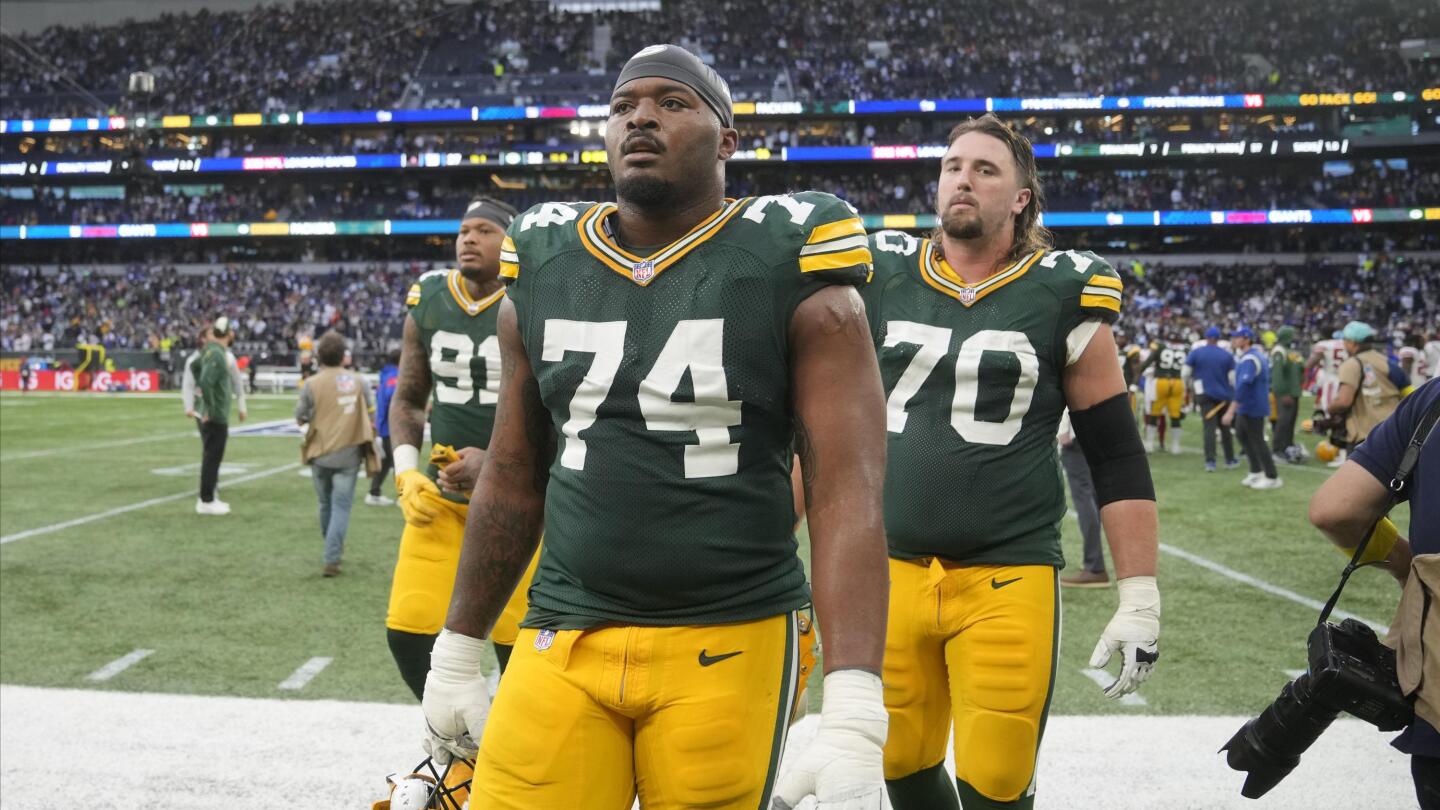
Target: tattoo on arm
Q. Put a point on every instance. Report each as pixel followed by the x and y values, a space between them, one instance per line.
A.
pixel 412 389
pixel 805 449
pixel 540 432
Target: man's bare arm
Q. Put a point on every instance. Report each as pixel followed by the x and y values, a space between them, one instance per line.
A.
pixel 839 407
pixel 412 389
pixel 1347 505
pixel 1131 526
pixel 508 506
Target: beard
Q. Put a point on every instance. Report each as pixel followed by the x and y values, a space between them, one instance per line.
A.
pixel 958 225
pixel 646 191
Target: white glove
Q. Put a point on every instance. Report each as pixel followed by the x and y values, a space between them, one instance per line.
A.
pixel 844 768
pixel 1134 632
pixel 456 701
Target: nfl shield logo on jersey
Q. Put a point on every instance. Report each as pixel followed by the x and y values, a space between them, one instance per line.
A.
pixel 544 639
pixel 643 271
pixel 967 296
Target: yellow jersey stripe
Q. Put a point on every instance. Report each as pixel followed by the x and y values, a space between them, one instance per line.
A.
pixel 1106 281
pixel 602 247
pixel 833 261
pixel 835 230
pixel 510 270
pixel 1100 302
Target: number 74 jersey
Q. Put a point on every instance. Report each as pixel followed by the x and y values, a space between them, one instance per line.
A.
pixel 666 375
pixel 972 376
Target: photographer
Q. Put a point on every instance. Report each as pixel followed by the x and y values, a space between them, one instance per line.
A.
pixel 1345 508
pixel 1366 395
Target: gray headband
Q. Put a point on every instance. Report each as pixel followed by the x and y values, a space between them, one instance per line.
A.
pixel 497 212
pixel 677 64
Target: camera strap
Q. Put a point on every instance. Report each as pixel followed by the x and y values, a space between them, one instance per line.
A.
pixel 1397 486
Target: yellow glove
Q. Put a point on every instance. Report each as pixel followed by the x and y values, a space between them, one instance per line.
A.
pixel 412 486
pixel 442 455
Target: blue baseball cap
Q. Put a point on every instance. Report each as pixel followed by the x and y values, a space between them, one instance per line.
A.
pixel 1243 331
pixel 1213 333
pixel 1358 331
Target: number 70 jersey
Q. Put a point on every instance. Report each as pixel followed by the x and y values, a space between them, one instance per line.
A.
pixel 972 376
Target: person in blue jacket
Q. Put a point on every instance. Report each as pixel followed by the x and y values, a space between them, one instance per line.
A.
pixel 1252 406
pixel 388 374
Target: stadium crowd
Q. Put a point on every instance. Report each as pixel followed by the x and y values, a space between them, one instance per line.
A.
pixel 150 307
pixel 1393 294
pixel 889 190
pixel 274 307
pixel 371 53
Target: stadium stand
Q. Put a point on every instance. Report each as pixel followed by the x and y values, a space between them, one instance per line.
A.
pixel 430 53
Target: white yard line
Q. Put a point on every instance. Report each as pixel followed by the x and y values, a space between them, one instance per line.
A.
pixel 305 673
pixel 1104 679
pixel 118 666
pixel 83 448
pixel 120 510
pixel 1294 673
pixel 1256 582
pixel 1086 761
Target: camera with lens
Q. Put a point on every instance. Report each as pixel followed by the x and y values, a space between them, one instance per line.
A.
pixel 1350 671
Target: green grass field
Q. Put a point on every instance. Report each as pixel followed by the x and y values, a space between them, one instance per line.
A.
pixel 233 605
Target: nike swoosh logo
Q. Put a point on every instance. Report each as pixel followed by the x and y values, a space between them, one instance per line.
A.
pixel 707 660
pixel 997 585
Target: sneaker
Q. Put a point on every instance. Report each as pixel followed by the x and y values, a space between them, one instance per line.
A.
pixel 215 507
pixel 1209 466
pixel 1232 464
pixel 330 570
pixel 378 500
pixel 1268 483
pixel 1086 579
pixel 1250 479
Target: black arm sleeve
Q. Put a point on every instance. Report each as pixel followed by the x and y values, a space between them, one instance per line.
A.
pixel 1112 447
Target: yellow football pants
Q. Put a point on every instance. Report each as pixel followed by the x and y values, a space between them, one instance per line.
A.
pixel 1169 397
pixel 425 577
pixel 685 716
pixel 974 646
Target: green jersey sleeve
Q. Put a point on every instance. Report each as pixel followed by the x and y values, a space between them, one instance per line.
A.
pixel 894 252
pixel 1088 290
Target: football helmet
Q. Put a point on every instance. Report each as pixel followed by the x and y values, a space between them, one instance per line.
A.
pixel 429 787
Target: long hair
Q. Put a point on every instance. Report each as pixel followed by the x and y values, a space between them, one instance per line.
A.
pixel 1030 235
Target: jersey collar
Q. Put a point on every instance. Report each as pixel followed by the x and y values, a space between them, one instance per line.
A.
pixel 938 274
pixel 461 294
pixel 595 235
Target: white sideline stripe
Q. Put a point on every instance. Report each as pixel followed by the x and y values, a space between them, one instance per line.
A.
pixel 1294 673
pixel 118 666
pixel 56 451
pixel 1261 584
pixel 1103 679
pixel 120 510
pixel 305 673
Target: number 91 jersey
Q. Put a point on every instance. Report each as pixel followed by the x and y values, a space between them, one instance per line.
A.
pixel 667 380
pixel 463 351
pixel 972 376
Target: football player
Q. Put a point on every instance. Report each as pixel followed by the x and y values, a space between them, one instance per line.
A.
pixel 1325 358
pixel 660 359
pixel 1171 392
pixel 450 360
pixel 985 335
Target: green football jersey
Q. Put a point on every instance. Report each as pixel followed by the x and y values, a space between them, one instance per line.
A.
pixel 1169 359
pixel 667 380
pixel 458 334
pixel 972 378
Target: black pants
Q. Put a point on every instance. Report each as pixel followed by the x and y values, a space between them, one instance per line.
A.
pixel 387 463
pixel 1211 409
pixel 213 436
pixel 1252 435
pixel 1426 772
pixel 1284 424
